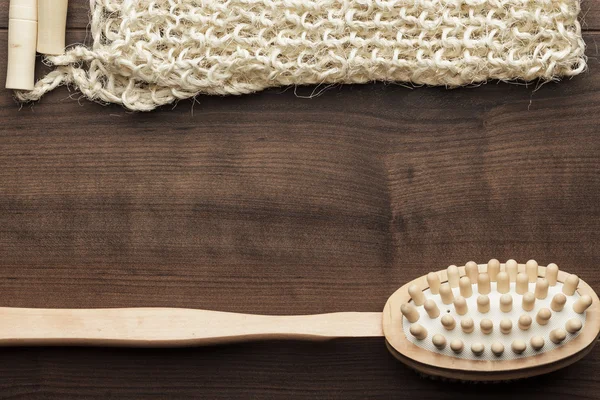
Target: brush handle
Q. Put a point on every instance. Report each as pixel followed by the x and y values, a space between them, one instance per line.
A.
pixel 172 327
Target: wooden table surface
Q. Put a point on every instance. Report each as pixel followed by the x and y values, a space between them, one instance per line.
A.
pixel 275 204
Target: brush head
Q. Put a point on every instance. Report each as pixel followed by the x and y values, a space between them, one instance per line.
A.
pixel 501 321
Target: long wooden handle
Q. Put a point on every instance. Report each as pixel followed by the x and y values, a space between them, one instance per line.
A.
pixel 172 327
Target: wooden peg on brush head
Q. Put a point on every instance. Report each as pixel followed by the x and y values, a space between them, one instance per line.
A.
pixel 570 285
pixel 410 312
pixel 558 335
pixel 518 346
pixel 582 304
pixel 558 302
pixel 525 322
pixel 453 276
pixel 477 348
pixel 448 322
pixel 497 348
pixel 416 294
pixel 466 290
pixel 418 331
pixel 528 301
pixel 537 342
pixel 531 268
pixel 483 304
pixel 522 283
pixel 486 325
pixel 512 268
pixel 460 305
pixel 439 341
pixel 506 302
pixel 493 268
pixel 552 274
pixel 467 325
pixel 483 284
pixel 541 288
pixel 543 316
pixel 446 294
pixel 431 308
pixel 506 326
pixel 433 280
pixel 472 270
pixel 573 325
pixel 457 346
pixel 503 285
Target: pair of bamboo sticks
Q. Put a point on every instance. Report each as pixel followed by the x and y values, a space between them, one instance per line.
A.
pixel 33 25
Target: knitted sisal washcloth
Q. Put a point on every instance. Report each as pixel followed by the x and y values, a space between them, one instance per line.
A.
pixel 147 53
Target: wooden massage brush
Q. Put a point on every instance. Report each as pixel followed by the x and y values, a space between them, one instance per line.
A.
pixel 489 322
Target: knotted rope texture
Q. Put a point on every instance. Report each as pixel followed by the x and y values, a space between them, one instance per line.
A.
pixel 147 53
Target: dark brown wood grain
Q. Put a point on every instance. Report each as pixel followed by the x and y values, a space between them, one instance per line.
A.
pixel 270 203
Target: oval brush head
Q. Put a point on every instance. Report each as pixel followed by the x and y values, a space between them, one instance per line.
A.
pixel 492 322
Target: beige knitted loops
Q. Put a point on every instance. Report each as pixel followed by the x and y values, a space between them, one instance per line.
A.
pixel 147 53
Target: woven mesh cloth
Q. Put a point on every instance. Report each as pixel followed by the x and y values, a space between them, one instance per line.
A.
pixel 147 53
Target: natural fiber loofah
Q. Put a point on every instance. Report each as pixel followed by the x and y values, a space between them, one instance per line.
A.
pixel 147 53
